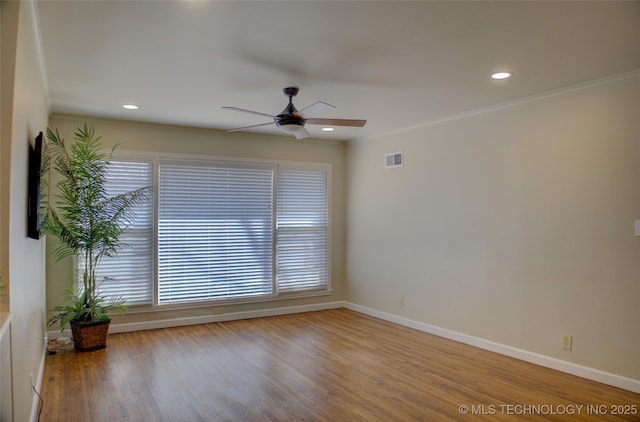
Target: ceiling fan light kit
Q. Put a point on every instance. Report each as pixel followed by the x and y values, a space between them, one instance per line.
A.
pixel 292 121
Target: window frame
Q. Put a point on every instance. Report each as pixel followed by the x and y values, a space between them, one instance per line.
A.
pixel 157 158
pixel 311 167
pixel 135 157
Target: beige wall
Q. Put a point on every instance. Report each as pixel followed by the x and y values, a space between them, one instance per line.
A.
pixel 513 225
pixel 180 140
pixel 24 114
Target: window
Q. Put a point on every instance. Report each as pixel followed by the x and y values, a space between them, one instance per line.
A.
pixel 215 232
pixel 303 229
pixel 129 274
pixel 224 230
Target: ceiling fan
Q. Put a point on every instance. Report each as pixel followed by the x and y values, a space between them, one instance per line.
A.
pixel 292 120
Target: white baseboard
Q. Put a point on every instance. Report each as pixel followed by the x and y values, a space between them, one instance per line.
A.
pixel 525 355
pixel 35 406
pixel 205 319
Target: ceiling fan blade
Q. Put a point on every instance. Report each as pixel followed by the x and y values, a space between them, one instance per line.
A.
pixel 249 111
pixel 315 109
pixel 249 127
pixel 302 133
pixel 337 122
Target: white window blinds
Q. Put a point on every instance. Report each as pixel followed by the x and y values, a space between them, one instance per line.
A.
pixel 130 273
pixel 303 235
pixel 215 231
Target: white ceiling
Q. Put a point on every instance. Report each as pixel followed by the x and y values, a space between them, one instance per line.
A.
pixel 396 64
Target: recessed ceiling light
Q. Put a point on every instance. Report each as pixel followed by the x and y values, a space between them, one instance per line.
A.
pixel 130 106
pixel 501 75
pixel 327 129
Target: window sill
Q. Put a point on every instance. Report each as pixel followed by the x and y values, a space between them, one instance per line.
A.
pixel 140 309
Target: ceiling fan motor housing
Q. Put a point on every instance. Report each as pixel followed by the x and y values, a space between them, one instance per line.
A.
pixel 287 119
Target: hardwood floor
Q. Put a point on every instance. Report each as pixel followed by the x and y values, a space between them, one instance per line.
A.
pixel 334 365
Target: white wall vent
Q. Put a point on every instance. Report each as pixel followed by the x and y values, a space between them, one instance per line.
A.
pixel 393 160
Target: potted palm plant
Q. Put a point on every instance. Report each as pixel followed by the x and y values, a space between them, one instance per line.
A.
pixel 88 223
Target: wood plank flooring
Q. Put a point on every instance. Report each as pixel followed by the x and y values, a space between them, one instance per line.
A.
pixel 334 365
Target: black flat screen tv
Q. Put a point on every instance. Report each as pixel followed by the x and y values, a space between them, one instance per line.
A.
pixel 33 192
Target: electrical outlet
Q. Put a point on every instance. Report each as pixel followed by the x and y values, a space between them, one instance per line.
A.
pixel 567 342
pixel 218 311
pixel 402 301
